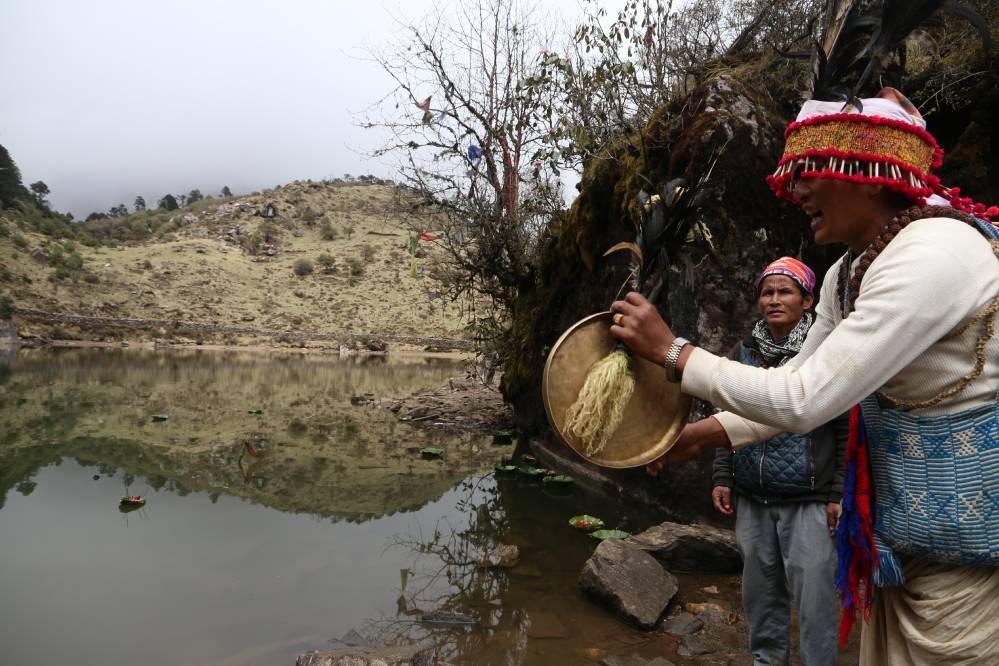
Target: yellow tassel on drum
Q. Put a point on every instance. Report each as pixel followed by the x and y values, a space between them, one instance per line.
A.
pixel 599 407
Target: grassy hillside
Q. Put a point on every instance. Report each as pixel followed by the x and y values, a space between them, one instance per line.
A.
pixel 220 261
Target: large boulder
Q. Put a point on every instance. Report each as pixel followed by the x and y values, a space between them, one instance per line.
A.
pixel 629 581
pixel 690 547
pixel 407 655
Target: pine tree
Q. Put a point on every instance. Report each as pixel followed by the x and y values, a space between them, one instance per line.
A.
pixel 139 205
pixel 11 187
pixel 168 202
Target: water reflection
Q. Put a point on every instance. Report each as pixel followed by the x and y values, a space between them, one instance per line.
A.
pixel 314 452
pixel 278 517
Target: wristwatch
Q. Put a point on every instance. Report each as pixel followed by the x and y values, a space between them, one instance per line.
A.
pixel 672 356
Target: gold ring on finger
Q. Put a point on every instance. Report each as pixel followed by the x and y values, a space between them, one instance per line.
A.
pixel 617 319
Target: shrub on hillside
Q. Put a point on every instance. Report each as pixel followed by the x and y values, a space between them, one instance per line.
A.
pixel 327 232
pixel 326 261
pixel 356 268
pixel 20 242
pixel 303 267
pixel 309 216
pixel 6 307
pixel 251 243
pixel 367 253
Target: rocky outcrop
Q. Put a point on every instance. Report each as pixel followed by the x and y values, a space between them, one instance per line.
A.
pixel 629 581
pixel 690 547
pixel 738 113
pixel 411 655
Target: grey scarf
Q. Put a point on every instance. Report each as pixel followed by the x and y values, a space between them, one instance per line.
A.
pixel 775 353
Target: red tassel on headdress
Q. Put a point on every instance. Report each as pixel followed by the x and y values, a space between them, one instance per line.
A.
pixel 855 535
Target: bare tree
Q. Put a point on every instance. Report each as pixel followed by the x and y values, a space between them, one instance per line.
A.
pixel 465 129
pixel 618 73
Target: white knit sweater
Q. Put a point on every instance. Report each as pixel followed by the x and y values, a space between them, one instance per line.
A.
pixel 926 284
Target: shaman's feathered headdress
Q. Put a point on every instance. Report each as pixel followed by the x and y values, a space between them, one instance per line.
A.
pixel 881 139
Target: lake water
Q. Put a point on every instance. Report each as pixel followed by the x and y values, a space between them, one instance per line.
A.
pixel 279 518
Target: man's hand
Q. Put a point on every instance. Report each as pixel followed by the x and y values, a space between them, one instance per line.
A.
pixel 721 497
pixel 695 437
pixel 833 512
pixel 641 328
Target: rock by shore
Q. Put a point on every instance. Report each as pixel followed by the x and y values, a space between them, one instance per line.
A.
pixel 411 655
pixel 629 581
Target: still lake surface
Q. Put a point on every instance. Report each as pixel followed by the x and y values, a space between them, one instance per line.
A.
pixel 280 518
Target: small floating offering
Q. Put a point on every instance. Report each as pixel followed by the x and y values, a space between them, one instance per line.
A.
pixel 558 479
pixel 255 412
pixel 503 437
pixel 132 501
pixel 585 522
pixel 532 472
pixel 610 534
pixel 160 417
pixel 432 452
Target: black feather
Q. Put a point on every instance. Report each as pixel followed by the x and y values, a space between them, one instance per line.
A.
pixel 865 50
pixel 977 21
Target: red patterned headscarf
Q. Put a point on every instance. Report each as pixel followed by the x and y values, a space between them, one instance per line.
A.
pixel 792 268
pixel 885 142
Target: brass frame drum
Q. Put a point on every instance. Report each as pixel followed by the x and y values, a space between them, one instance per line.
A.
pixel 654 417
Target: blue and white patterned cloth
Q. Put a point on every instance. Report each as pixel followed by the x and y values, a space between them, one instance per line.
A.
pixel 936 483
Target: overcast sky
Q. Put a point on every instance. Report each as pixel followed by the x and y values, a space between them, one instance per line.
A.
pixel 108 99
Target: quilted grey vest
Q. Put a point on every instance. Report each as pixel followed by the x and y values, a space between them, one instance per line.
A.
pixel 782 466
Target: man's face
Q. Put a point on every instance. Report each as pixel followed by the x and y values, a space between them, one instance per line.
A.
pixel 839 210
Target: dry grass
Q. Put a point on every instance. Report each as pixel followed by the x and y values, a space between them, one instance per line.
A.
pixel 195 274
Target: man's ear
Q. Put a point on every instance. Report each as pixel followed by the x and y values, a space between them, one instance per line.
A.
pixel 807 301
pixel 870 190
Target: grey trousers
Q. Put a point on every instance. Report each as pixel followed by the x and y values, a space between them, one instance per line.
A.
pixel 787 553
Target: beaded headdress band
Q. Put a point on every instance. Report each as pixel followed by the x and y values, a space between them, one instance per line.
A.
pixel 884 142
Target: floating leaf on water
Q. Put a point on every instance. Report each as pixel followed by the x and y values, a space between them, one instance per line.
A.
pixel 506 469
pixel 585 522
pixel 503 437
pixel 432 452
pixel 160 417
pixel 255 412
pixel 559 479
pixel 610 534
pixel 527 470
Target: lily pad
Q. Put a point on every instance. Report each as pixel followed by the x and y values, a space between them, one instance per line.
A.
pixel 559 479
pixel 503 437
pixel 585 522
pixel 255 412
pixel 505 469
pixel 527 470
pixel 609 534
pixel 432 452
pixel 160 417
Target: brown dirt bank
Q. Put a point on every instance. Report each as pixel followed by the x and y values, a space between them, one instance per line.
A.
pixel 462 403
pixel 68 327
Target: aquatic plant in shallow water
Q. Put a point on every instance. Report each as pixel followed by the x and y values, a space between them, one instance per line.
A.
pixel 586 522
pixel 609 534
